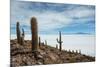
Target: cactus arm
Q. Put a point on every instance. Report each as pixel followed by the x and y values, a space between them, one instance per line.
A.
pixel 23 34
pixel 57 40
pixel 39 41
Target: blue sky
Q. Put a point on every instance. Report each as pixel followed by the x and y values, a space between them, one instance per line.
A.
pixel 53 17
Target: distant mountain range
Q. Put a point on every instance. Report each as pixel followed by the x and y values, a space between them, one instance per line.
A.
pixel 80 33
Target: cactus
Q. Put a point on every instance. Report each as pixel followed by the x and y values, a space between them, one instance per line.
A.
pixel 76 51
pixel 34 31
pixel 69 51
pixel 22 37
pixel 39 41
pixel 45 42
pixel 18 32
pixel 23 34
pixel 72 51
pixel 42 43
pixel 22 40
pixel 60 41
pixel 80 51
pixel 56 46
pixel 66 50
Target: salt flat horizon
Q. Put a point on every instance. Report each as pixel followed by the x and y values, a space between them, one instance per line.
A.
pixel 85 43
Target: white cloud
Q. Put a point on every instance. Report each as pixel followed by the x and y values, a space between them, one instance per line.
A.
pixel 50 20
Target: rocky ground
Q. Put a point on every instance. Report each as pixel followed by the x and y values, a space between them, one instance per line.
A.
pixel 22 55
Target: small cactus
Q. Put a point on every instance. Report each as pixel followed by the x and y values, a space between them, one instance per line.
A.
pixel 72 51
pixel 45 42
pixel 18 32
pixel 76 51
pixel 39 41
pixel 34 32
pixel 23 34
pixel 66 50
pixel 60 41
pixel 69 50
pixel 22 37
pixel 56 46
pixel 80 51
pixel 42 43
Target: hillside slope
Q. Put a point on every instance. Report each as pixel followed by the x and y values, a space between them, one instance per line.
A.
pixel 22 55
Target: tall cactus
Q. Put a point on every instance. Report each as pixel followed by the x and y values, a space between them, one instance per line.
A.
pixel 34 31
pixel 18 32
pixel 60 41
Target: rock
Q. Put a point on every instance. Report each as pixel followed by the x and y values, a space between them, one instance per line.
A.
pixel 53 56
pixel 42 53
pixel 40 63
pixel 29 63
pixel 39 56
pixel 24 58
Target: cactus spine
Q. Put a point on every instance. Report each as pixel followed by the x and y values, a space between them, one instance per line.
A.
pixel 60 41
pixel 34 32
pixel 18 32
